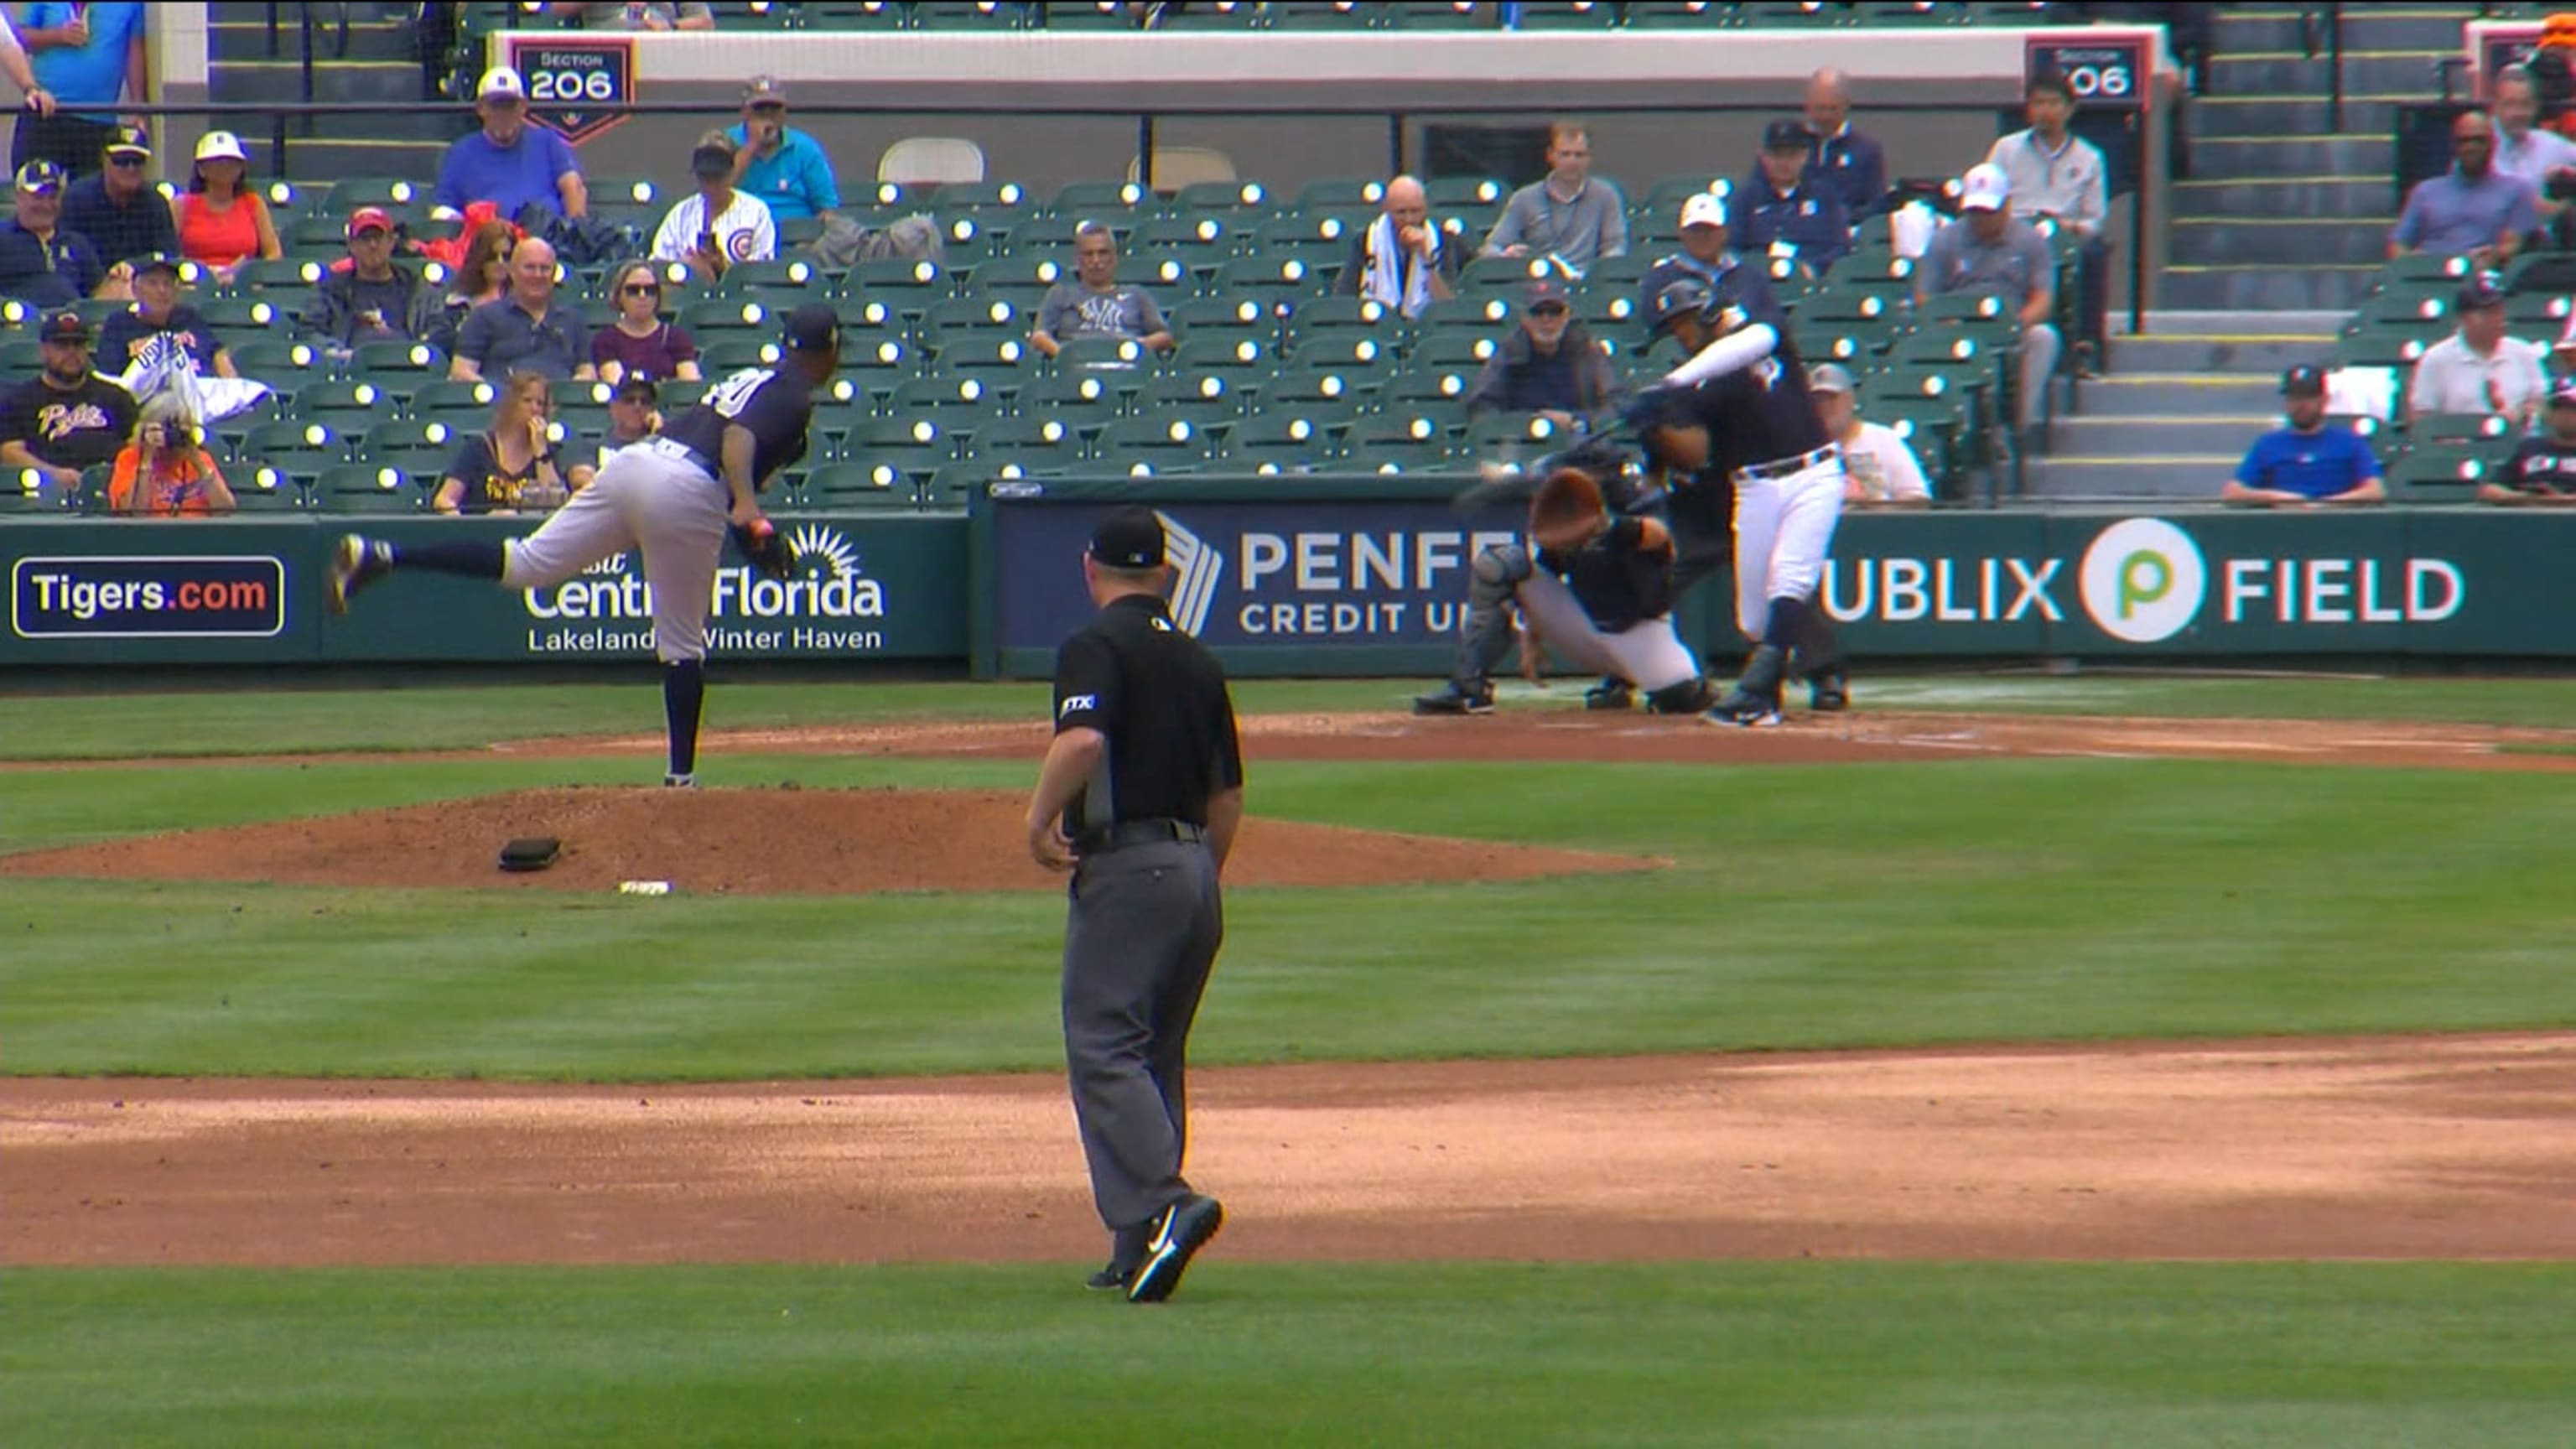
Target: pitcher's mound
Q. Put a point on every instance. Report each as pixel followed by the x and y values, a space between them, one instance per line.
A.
pixel 821 842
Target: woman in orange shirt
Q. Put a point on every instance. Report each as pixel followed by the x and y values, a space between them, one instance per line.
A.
pixel 223 223
pixel 166 471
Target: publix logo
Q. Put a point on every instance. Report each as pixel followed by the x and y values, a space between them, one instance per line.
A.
pixel 2143 580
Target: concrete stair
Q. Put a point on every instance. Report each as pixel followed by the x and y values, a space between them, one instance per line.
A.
pixel 2288 205
pixel 2191 393
pixel 363 53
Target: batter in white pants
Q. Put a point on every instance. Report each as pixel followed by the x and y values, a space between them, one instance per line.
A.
pixel 1647 654
pixel 656 496
pixel 1783 528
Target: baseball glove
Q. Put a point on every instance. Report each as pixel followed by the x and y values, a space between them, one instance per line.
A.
pixel 767 548
pixel 1567 511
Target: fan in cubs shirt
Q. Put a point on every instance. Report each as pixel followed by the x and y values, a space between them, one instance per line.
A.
pixel 718 226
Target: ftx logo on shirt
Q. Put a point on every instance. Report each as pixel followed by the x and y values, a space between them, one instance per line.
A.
pixel 1075 702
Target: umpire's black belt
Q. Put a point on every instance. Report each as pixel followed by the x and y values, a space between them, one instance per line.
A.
pixel 1790 467
pixel 1125 833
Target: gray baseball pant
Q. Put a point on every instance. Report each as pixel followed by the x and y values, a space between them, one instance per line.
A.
pixel 1140 935
pixel 654 495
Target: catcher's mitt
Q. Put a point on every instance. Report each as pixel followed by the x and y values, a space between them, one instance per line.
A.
pixel 1567 511
pixel 767 548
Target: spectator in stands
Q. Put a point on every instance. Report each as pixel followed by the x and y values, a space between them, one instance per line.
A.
pixel 2542 469
pixel 1550 366
pixel 2061 177
pixel 1570 215
pixel 524 331
pixel 157 311
pixel 221 221
pixel 508 163
pixel 67 417
pixel 513 467
pixel 786 168
pixel 166 471
pixel 2521 147
pixel 2311 462
pixel 1990 252
pixel 1095 303
pixel 1781 206
pixel 619 15
pixel 2477 369
pixel 482 277
pixel 639 344
pixel 634 414
pixel 1401 259
pixel 87 57
pixel 117 209
pixel 372 297
pixel 13 63
pixel 716 226
pixel 1842 160
pixel 1879 470
pixel 2472 210
pixel 45 263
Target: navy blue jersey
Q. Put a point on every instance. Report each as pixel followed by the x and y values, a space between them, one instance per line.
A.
pixel 775 406
pixel 1759 414
pixel 1620 578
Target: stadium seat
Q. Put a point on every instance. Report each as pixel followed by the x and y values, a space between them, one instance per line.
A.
pixel 882 485
pixel 367 488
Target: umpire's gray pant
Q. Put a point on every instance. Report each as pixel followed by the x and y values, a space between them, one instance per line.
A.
pixel 1140 935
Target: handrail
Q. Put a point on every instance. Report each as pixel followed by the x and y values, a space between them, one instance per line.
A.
pixel 2334 67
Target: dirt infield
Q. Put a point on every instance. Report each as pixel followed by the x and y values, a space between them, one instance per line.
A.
pixel 2458 1147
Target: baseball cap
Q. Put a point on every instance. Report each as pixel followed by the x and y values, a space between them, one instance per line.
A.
pixel 711 159
pixel 159 262
pixel 64 327
pixel 1543 290
pixel 221 146
pixel 129 141
pixel 41 175
pixel 1131 538
pixel 1669 291
pixel 1705 208
pixel 813 327
pixel 500 80
pixel 2305 380
pixel 1829 377
pixel 2480 291
pixel 1785 135
pixel 370 218
pixel 2564 394
pixel 1984 188
pixel 764 90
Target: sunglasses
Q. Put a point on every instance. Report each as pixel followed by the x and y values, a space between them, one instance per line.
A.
pixel 638 290
pixel 1548 309
pixel 127 162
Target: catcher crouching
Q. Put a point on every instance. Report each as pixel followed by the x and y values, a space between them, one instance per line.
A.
pixel 1594 586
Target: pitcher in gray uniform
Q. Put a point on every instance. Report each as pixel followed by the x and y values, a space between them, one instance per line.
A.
pixel 1139 798
pixel 674 495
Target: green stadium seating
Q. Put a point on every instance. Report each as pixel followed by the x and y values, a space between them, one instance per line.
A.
pixel 365 488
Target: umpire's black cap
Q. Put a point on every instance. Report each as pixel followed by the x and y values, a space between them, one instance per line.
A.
pixel 1672 290
pixel 1131 538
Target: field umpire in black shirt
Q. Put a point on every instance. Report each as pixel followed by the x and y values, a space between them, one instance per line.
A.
pixel 1140 797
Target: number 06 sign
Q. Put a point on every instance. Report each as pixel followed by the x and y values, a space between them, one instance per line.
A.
pixel 2107 73
pixel 575 87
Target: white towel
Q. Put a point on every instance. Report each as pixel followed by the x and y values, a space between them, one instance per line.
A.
pixel 1396 277
pixel 165 366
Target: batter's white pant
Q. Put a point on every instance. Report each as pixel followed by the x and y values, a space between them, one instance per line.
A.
pixel 1783 529
pixel 652 495
pixel 1647 654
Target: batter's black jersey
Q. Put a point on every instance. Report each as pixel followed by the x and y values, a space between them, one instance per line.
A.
pixel 1618 579
pixel 1160 698
pixel 1759 414
pixel 776 406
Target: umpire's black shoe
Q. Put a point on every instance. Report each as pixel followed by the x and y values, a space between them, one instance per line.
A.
pixel 1111 1276
pixel 1829 692
pixel 1611 693
pixel 1456 698
pixel 1183 1229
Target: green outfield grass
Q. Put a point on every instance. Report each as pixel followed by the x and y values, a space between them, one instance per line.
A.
pixel 437 716
pixel 1283 1357
pixel 1884 904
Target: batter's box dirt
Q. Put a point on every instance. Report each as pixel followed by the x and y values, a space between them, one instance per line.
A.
pixel 844 842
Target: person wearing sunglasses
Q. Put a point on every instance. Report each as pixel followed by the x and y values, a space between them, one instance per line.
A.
pixel 1549 366
pixel 639 343
pixel 117 209
pixel 371 297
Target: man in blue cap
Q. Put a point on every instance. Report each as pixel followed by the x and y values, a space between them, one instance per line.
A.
pixel 1784 204
pixel 676 496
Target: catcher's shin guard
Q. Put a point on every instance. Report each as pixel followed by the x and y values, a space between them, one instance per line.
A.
pixel 1485 631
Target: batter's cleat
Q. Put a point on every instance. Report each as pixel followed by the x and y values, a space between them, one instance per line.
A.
pixel 1456 698
pixel 1829 692
pixel 680 782
pixel 1610 693
pixel 356 561
pixel 1745 711
pixel 1183 1229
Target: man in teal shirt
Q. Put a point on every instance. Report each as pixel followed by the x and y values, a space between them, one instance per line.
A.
pixel 785 168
